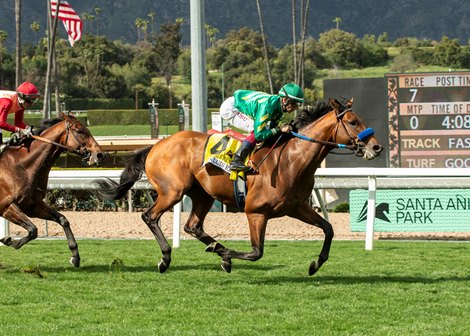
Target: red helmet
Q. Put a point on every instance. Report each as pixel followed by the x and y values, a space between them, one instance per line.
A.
pixel 28 92
pixel 28 89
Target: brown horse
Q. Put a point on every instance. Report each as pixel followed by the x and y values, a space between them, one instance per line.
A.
pixel 280 186
pixel 24 172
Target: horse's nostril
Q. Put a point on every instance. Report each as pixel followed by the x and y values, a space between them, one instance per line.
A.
pixel 377 148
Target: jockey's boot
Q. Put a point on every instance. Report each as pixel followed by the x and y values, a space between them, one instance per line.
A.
pixel 238 161
pixel 2 147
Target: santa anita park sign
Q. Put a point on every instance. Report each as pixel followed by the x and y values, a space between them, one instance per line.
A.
pixel 425 210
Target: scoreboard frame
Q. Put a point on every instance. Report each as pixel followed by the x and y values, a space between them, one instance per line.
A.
pixel 429 119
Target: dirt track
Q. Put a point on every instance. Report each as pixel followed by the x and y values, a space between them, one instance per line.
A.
pixel 218 225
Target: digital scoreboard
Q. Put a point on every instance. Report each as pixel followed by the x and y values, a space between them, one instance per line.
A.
pixel 429 119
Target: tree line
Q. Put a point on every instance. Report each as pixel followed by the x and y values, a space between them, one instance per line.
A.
pixel 97 67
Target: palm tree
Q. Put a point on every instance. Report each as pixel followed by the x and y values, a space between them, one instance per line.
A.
pixel 91 17
pixel 300 76
pixel 145 24
pixel 211 32
pixel 19 79
pixel 84 17
pixel 35 28
pixel 265 48
pixel 3 38
pixel 152 15
pixel 337 20
pixel 97 13
pixel 180 22
pixel 139 24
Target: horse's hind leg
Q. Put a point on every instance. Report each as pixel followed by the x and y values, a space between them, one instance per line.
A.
pixel 202 203
pixel 14 214
pixel 44 211
pixel 306 214
pixel 151 217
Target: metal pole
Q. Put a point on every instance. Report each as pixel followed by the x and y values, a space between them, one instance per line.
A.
pixel 371 213
pixel 198 66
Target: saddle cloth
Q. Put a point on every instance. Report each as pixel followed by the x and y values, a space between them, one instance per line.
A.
pixel 219 150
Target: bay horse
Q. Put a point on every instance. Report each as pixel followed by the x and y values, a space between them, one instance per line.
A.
pixel 24 172
pixel 280 186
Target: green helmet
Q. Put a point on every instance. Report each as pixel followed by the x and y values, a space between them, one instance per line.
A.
pixel 292 91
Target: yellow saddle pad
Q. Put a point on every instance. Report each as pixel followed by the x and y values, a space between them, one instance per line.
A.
pixel 219 150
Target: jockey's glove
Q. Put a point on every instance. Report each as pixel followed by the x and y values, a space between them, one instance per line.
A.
pixel 25 132
pixel 286 128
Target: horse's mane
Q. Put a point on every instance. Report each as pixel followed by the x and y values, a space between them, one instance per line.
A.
pixel 304 117
pixel 311 113
pixel 45 124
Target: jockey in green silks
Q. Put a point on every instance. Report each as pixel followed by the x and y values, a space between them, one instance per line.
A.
pixel 258 113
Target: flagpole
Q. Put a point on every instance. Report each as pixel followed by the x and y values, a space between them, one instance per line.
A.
pixel 52 28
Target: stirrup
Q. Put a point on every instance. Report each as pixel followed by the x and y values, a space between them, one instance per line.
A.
pixel 240 167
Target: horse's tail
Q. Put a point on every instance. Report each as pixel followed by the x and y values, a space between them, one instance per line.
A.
pixel 133 171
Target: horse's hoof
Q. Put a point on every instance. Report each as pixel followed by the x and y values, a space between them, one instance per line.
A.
pixel 6 241
pixel 226 266
pixel 163 265
pixel 314 267
pixel 75 261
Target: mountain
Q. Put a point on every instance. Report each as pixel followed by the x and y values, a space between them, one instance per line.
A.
pixel 429 19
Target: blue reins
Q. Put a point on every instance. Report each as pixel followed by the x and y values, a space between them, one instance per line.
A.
pixel 364 135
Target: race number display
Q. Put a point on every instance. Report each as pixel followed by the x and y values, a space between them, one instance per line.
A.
pixel 429 117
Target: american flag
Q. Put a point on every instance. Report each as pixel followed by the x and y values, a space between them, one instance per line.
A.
pixel 72 22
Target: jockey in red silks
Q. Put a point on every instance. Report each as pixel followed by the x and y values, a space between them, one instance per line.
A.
pixel 15 102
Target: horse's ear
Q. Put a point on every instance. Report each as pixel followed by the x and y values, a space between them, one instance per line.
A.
pixel 62 115
pixel 335 104
pixel 349 103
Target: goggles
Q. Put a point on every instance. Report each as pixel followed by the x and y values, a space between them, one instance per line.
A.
pixel 30 99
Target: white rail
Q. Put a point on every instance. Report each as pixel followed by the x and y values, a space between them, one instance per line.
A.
pixel 388 178
pixel 326 178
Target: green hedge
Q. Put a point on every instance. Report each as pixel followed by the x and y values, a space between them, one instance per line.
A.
pixel 83 104
pixel 36 119
pixel 136 117
pixel 119 117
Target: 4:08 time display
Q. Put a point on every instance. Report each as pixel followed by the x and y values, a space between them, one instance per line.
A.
pixel 456 121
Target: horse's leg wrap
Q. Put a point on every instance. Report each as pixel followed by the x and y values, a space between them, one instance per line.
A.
pixel 216 247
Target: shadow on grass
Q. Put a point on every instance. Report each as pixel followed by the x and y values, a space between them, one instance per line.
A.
pixel 354 280
pixel 153 268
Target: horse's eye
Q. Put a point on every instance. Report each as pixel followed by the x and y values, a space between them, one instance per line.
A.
pixel 353 123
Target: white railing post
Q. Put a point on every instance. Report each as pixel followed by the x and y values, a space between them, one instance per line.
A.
pixel 129 201
pixel 4 231
pixel 176 224
pixel 371 213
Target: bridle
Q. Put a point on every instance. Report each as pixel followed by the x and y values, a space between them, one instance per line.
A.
pixel 82 150
pixel 356 141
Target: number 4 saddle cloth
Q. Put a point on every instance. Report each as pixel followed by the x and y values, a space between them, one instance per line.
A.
pixel 219 151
